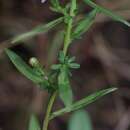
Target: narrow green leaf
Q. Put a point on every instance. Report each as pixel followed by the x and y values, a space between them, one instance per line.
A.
pixel 55 3
pixel 33 123
pixel 80 120
pixel 56 66
pixel 72 59
pixel 25 69
pixel 37 30
pixel 108 12
pixel 83 102
pixel 55 6
pixel 85 24
pixel 64 87
pixel 74 65
pixel 61 57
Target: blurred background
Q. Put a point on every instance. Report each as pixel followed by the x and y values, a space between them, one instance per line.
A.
pixel 103 53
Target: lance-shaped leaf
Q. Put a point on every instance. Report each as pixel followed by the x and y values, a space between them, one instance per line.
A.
pixel 80 120
pixel 33 123
pixel 64 86
pixel 25 69
pixel 83 102
pixel 85 24
pixel 37 30
pixel 108 12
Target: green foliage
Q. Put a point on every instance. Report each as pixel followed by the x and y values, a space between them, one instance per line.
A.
pixel 65 64
pixel 80 120
pixel 85 24
pixel 34 123
pixel 83 102
pixel 107 12
pixel 55 46
pixel 56 7
pixel 34 74
pixel 23 67
pixel 64 86
pixel 36 31
pixel 73 8
pixel 57 78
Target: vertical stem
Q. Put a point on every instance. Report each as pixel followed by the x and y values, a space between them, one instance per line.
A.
pixel 48 112
pixel 67 39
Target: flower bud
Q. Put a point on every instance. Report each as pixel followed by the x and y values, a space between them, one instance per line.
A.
pixel 33 62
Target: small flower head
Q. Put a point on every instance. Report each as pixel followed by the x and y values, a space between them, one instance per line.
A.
pixel 33 62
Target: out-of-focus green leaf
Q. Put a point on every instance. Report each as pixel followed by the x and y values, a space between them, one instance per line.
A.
pixel 61 57
pixel 71 59
pixel 55 3
pixel 85 24
pixel 64 86
pixel 80 120
pixel 37 30
pixel 56 67
pixel 74 65
pixel 57 7
pixel 33 123
pixel 108 12
pixel 83 102
pixel 55 47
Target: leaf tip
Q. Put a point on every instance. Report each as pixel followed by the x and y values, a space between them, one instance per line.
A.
pixel 112 89
pixel 127 23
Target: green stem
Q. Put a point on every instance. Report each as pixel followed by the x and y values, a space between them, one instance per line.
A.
pixel 49 109
pixel 67 39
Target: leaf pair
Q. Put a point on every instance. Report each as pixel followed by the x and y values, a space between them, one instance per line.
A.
pixel 34 74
